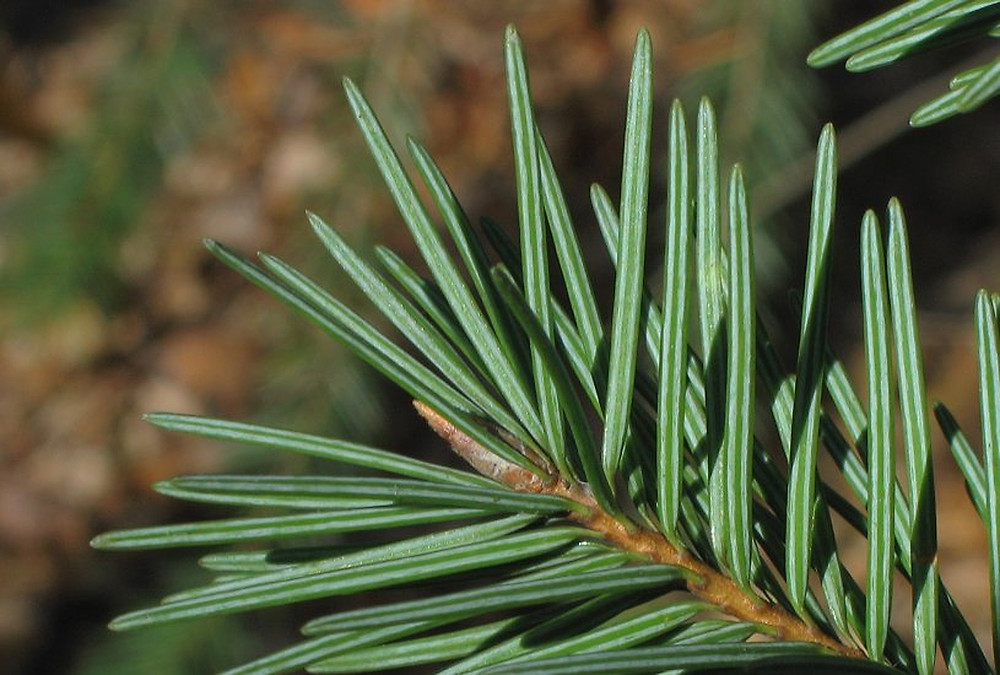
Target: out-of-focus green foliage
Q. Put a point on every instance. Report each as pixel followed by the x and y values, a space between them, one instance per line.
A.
pixel 917 26
pixel 64 236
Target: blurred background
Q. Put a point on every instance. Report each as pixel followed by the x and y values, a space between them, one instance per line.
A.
pixel 130 131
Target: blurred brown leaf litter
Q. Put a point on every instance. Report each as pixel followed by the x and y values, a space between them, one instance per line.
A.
pixel 141 128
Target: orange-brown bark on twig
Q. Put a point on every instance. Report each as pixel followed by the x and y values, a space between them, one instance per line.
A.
pixel 709 585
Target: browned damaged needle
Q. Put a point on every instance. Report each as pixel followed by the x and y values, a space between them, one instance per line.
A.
pixel 479 458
